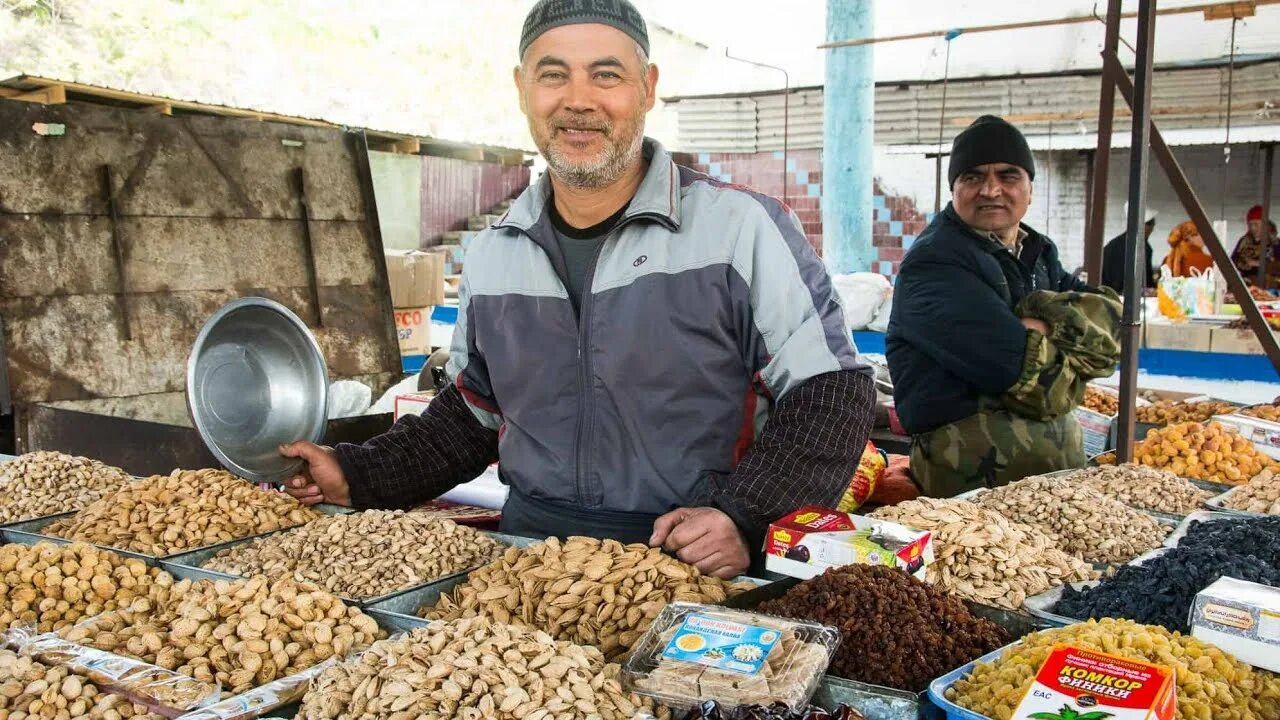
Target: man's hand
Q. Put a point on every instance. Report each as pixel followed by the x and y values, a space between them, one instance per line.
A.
pixel 1038 325
pixel 321 479
pixel 705 538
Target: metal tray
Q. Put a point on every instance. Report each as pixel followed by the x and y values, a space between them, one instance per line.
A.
pixel 1217 503
pixel 1171 517
pixel 28 533
pixel 873 701
pixel 403 607
pixel 192 564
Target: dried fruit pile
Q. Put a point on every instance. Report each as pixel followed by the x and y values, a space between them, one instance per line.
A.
pixel 896 630
pixel 1257 536
pixel 583 590
pixel 1080 520
pixel 57 585
pixel 1161 590
pixel 365 554
pixel 32 690
pixel 240 634
pixel 1100 401
pixel 1211 684
pixel 188 509
pixel 985 557
pixel 474 668
pixel 1213 452
pixel 47 483
pixel 1139 486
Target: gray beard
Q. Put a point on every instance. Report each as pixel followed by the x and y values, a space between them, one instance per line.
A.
pixel 595 175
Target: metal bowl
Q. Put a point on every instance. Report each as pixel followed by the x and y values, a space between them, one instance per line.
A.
pixel 256 379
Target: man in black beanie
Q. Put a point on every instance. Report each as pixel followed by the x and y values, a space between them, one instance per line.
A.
pixel 654 356
pixel 957 344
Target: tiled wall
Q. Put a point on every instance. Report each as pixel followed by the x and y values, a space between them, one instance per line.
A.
pixel 897 222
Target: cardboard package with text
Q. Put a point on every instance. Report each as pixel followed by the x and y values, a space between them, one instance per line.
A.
pixel 1078 684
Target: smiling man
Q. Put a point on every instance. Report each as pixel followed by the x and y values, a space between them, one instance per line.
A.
pixel 956 344
pixel 652 355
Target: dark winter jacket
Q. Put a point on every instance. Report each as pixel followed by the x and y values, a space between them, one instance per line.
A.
pixel 709 365
pixel 953 334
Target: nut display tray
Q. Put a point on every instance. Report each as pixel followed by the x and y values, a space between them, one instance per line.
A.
pixel 191 564
pixel 1217 503
pixel 28 533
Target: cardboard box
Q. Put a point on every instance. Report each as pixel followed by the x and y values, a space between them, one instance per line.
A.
pixel 1074 682
pixel 1182 336
pixel 413 328
pixel 812 539
pixel 1096 428
pixel 1264 434
pixel 1236 342
pixel 1242 618
pixel 412 403
pixel 416 278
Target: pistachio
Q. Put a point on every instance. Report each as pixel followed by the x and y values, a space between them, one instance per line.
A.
pixel 364 554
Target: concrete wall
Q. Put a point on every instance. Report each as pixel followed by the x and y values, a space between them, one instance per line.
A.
pixel 421 197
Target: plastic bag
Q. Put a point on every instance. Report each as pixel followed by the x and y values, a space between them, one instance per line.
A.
pixel 387 403
pixel 881 321
pixel 865 479
pixel 348 398
pixel 1180 297
pixel 163 692
pixel 861 294
pixel 253 703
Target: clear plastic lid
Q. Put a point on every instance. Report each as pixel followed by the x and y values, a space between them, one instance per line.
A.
pixel 694 652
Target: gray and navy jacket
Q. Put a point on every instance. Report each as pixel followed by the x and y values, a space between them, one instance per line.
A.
pixel 708 365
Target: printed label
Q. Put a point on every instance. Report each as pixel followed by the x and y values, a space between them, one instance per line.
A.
pixel 722 644
pixel 1077 684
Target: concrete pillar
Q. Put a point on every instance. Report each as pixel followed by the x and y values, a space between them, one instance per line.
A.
pixel 847 136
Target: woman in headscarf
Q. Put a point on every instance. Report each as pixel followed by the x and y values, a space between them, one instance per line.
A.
pixel 1187 251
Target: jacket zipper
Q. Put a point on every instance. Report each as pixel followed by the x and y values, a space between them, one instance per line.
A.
pixel 585 405
pixel 586 412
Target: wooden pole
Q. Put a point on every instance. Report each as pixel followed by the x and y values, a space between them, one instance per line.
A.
pixel 1094 223
pixel 1135 261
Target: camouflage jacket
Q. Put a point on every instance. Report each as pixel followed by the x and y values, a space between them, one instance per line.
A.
pixel 1083 344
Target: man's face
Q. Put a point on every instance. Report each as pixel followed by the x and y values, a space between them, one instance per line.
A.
pixel 585 90
pixel 992 197
pixel 1150 228
pixel 1255 228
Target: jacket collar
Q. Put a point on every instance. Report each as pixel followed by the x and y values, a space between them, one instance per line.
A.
pixel 657 198
pixel 1032 242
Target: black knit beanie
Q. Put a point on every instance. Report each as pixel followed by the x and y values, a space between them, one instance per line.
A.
pixel 548 14
pixel 989 140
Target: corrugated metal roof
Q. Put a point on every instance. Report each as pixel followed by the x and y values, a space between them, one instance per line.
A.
pixel 1063 107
